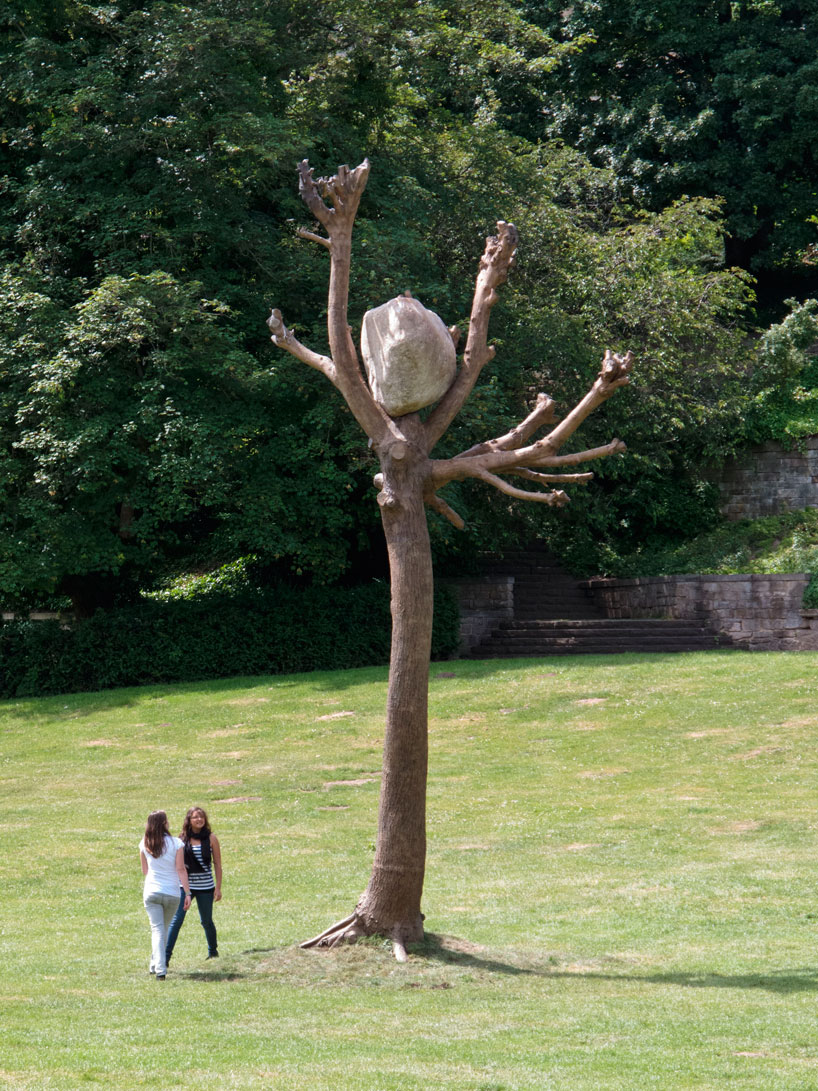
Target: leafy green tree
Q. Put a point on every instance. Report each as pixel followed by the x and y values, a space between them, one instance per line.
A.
pixel 784 405
pixel 157 140
pixel 712 98
pixel 120 441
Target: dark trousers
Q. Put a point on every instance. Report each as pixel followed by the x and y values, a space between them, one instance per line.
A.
pixel 204 903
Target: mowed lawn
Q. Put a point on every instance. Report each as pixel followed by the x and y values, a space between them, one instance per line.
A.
pixel 622 882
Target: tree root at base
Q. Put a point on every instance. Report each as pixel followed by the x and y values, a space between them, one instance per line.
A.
pixel 349 930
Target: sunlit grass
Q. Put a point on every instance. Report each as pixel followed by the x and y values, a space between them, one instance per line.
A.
pixel 620 889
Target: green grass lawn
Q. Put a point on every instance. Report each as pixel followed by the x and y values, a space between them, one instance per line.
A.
pixel 621 883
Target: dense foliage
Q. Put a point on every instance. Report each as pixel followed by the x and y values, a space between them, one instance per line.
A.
pixel 708 98
pixel 774 543
pixel 219 635
pixel 147 208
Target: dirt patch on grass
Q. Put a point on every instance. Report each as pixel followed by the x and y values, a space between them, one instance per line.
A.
pixel 759 752
pixel 335 715
pixel 592 700
pixel 707 733
pixel 337 807
pixel 601 774
pixel 239 799
pixel 745 825
pixel 99 742
pixel 801 721
pixel 581 846
pixel 460 946
pixel 226 732
pixel 247 701
pixel 356 783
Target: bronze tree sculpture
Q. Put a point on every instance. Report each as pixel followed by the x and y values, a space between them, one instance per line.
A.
pixel 410 481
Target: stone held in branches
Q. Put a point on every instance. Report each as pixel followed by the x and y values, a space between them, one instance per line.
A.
pixel 409 355
pixel 408 483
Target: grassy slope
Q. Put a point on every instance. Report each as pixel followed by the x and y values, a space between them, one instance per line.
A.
pixel 620 893
pixel 777 543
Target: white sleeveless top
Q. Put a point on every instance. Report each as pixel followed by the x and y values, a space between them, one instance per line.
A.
pixel 162 877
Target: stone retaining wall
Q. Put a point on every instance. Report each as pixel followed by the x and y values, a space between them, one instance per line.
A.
pixel 769 480
pixel 762 613
pixel 484 602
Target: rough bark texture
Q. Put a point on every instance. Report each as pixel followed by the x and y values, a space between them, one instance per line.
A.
pixel 391 902
pixel 408 483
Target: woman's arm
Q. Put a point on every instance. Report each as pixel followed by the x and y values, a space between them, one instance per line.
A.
pixel 181 871
pixel 217 866
pixel 144 862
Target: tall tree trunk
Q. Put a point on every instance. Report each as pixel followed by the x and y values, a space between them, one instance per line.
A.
pixel 391 903
pixel 409 481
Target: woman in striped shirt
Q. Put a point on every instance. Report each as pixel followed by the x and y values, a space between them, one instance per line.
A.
pixel 203 857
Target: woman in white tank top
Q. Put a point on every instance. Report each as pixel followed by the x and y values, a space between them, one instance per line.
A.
pixel 163 866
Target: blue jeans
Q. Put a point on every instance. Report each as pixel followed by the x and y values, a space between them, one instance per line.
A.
pixel 204 903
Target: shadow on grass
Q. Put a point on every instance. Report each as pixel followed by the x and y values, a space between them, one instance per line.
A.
pixel 92 702
pixel 211 976
pixel 471 670
pixel 798 980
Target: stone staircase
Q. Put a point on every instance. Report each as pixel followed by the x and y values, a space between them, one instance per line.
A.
pixel 555 615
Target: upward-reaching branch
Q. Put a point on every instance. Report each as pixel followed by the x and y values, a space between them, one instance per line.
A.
pixel 343 191
pixel 497 259
pixel 485 461
pixel 543 413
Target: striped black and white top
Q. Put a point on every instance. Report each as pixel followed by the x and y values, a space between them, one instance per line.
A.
pixel 201 880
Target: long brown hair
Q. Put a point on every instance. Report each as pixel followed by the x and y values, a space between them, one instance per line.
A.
pixel 187 832
pixel 156 830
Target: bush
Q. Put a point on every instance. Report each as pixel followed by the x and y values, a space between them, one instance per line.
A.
pixel 774 543
pixel 275 631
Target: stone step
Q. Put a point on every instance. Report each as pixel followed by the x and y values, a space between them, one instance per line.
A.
pixel 567 631
pixel 522 647
pixel 536 652
pixel 601 624
pixel 555 615
pixel 598 636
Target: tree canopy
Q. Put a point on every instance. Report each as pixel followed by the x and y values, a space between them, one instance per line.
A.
pixel 712 98
pixel 147 215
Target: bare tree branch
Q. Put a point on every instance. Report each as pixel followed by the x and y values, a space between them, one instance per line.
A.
pixel 543 413
pixel 438 504
pixel 615 372
pixel 304 234
pixel 283 339
pixel 615 447
pixel 497 259
pixel 551 479
pixel 556 499
pixel 343 191
pixel 539 454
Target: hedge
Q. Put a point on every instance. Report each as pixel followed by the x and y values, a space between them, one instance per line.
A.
pixel 275 631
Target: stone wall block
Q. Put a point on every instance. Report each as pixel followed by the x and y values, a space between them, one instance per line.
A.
pixel 768 480
pixel 762 612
